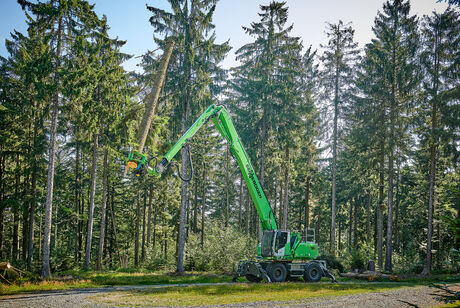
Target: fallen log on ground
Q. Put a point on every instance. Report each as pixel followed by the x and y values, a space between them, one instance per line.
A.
pixel 368 275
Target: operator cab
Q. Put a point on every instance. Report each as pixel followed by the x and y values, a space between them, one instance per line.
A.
pixel 274 243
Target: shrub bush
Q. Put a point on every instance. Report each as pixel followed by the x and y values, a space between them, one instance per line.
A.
pixel 223 248
pixel 332 262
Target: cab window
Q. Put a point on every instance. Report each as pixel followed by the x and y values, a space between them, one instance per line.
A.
pixel 281 240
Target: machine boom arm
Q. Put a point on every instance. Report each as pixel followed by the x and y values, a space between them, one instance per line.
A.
pixel 222 120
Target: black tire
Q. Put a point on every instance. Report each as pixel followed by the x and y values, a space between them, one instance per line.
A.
pixel 277 272
pixel 253 278
pixel 313 272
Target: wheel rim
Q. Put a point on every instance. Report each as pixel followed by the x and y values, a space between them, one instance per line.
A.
pixel 277 273
pixel 314 273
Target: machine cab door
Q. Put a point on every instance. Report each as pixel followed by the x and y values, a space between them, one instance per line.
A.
pixel 267 243
pixel 282 238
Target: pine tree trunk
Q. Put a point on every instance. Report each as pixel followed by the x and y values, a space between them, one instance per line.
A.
pixel 248 211
pixel 355 224
pixel 307 205
pixel 136 236
pixel 149 217
pixel 143 225
pixel 339 239
pixel 51 160
pixel 195 208
pixel 100 251
pixel 184 186
pixel 397 201
pixel 334 157
pixel 30 240
pixel 114 225
pixel 25 218
pixel 393 115
pixel 227 186
pixel 153 96
pixel 77 201
pixel 203 204
pixel 368 217
pixel 15 214
pixel 350 225
pixel 89 232
pixel 56 227
pixel 240 203
pixel 380 208
pixel 433 153
pixel 280 215
pixel 286 190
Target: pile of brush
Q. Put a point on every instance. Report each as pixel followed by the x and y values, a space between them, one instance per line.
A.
pixel 9 272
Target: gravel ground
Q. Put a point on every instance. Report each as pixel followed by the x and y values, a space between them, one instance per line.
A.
pixel 420 296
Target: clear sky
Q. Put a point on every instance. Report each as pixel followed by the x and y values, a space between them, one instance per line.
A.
pixel 128 20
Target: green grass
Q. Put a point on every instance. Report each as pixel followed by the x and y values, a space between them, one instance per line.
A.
pixel 92 279
pixel 238 294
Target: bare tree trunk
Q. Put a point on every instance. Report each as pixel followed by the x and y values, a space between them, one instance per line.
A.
pixel 280 215
pixel 143 225
pixel 100 251
pixel 397 201
pixel 380 207
pixel 433 153
pixel 355 224
pixel 368 217
pixel 89 233
pixel 350 225
pixel 203 204
pixel 339 239
pixel 286 190
pixel 307 205
pixel 334 157
pixel 77 201
pixel 262 168
pixel 136 236
pixel 149 217
pixel 30 240
pixel 393 115
pixel 114 225
pixel 195 208
pixel 227 185
pixel 56 226
pixel 51 160
pixel 248 211
pixel 240 203
pixel 184 186
pixel 153 96
pixel 15 212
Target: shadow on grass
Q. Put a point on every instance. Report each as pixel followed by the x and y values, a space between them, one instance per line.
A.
pixel 444 294
pixel 112 279
pixel 234 289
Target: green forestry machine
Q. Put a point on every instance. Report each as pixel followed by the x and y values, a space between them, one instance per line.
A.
pixel 282 255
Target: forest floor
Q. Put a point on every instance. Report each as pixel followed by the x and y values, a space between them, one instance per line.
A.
pixel 344 294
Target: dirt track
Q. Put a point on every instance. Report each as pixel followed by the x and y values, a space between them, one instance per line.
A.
pixel 420 296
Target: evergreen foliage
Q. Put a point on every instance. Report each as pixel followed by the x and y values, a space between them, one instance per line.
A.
pixel 342 139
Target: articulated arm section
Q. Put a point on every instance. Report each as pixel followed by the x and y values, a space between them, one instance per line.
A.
pixel 222 120
pixel 225 125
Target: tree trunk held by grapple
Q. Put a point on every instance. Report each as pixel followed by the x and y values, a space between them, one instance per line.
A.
pixel 153 97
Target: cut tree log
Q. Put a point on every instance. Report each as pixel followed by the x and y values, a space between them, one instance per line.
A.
pixel 153 96
pixel 368 275
pixel 5 265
